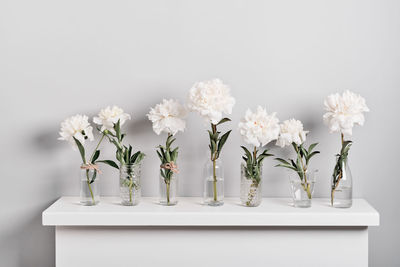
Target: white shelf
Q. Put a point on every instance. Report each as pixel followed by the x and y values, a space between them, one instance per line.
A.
pixel 190 212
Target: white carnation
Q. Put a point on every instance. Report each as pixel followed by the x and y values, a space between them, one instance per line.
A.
pixel 211 99
pixel 259 128
pixel 168 117
pixel 291 132
pixel 344 111
pixel 77 126
pixel 109 116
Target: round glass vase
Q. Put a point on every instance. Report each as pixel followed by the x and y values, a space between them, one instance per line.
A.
pixel 90 192
pixel 168 189
pixel 342 188
pixel 250 189
pixel 213 183
pixel 302 188
pixel 129 184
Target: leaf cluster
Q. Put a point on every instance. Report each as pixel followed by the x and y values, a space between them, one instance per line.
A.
pixel 341 160
pixel 167 155
pixel 300 164
pixel 254 164
pixel 216 141
pixel 124 154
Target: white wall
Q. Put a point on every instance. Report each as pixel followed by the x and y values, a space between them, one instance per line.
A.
pixel 58 58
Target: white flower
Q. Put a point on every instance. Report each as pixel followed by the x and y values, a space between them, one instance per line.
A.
pixel 109 116
pixel 344 111
pixel 259 128
pixel 210 99
pixel 77 126
pixel 168 117
pixel 291 132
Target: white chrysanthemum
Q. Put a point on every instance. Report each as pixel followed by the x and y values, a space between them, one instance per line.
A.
pixel 344 111
pixel 168 117
pixel 77 126
pixel 211 99
pixel 291 132
pixel 259 128
pixel 109 116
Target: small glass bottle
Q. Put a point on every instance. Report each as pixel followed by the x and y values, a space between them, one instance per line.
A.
pixel 129 184
pixel 90 193
pixel 342 190
pixel 302 189
pixel 168 189
pixel 213 183
pixel 250 189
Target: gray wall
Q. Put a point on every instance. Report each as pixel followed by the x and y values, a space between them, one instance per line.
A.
pixel 59 58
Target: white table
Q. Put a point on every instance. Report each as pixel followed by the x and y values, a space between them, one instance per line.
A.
pixel 191 234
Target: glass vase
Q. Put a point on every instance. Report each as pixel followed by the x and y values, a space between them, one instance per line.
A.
pixel 213 183
pixel 250 189
pixel 129 184
pixel 342 187
pixel 168 189
pixel 302 188
pixel 90 193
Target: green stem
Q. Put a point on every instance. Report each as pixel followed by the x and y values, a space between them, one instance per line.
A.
pixel 339 176
pixel 306 185
pixel 130 190
pixel 215 180
pixel 90 188
pixel 167 193
pixel 98 144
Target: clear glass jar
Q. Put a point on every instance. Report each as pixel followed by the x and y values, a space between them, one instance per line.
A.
pixel 250 189
pixel 129 184
pixel 302 189
pixel 168 189
pixel 342 190
pixel 213 183
pixel 90 192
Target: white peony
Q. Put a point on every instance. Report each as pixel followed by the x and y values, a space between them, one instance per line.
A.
pixel 109 116
pixel 211 99
pixel 344 111
pixel 168 117
pixel 77 126
pixel 291 132
pixel 259 128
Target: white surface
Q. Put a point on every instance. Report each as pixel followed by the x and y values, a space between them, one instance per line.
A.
pixel 211 246
pixel 190 212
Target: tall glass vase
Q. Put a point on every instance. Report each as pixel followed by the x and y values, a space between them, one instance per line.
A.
pixel 129 184
pixel 250 189
pixel 90 193
pixel 168 190
pixel 214 183
pixel 342 186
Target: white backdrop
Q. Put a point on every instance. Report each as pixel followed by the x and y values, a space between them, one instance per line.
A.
pixel 59 58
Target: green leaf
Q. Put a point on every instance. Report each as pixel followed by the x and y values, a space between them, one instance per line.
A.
pixel 93 177
pixel 223 120
pixel 311 147
pixel 159 155
pixel 222 141
pixel 135 156
pixel 286 166
pixel 213 146
pixel 81 150
pixel 95 156
pixel 110 163
pixel 247 152
pixel 282 161
pixel 139 158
